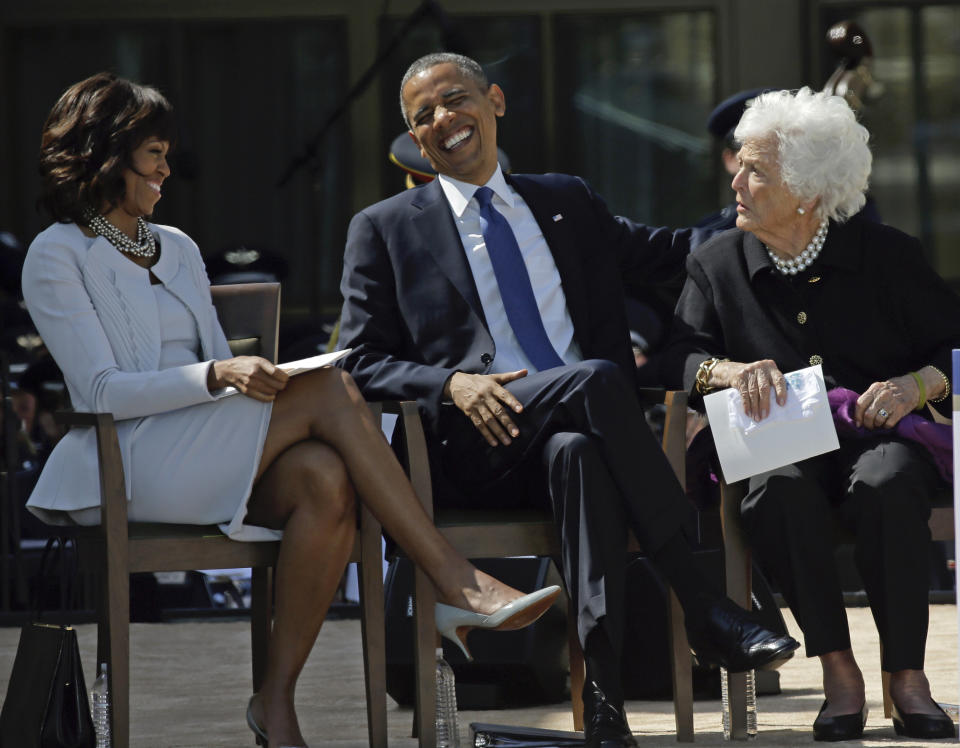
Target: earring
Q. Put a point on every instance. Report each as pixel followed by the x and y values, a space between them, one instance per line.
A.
pixel 801 211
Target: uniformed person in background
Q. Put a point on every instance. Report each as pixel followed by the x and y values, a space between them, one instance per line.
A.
pixel 405 154
pixel 721 124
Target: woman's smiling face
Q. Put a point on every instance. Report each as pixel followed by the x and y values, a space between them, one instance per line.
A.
pixel 144 180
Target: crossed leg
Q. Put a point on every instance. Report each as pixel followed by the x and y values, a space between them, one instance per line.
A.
pixel 323 450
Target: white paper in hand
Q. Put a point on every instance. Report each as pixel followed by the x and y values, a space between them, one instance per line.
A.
pixel 297 367
pixel 313 362
pixel 800 429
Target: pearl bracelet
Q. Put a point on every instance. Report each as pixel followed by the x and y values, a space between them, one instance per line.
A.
pixel 946 387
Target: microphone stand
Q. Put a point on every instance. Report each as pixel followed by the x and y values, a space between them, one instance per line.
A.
pixel 311 149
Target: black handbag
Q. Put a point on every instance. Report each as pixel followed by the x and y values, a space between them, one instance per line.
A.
pixel 46 703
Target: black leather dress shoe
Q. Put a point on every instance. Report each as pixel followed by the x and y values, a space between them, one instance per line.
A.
pixel 605 725
pixel 840 727
pixel 729 637
pixel 923 726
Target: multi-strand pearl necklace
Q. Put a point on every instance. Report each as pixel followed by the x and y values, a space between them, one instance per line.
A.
pixel 144 246
pixel 805 259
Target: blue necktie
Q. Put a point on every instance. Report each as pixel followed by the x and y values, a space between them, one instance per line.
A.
pixel 515 289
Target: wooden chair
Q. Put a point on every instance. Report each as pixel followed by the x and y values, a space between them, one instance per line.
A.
pixel 497 534
pixel 249 313
pixel 738 562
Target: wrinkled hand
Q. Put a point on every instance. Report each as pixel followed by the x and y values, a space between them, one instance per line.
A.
pixel 897 396
pixel 253 376
pixel 754 382
pixel 487 403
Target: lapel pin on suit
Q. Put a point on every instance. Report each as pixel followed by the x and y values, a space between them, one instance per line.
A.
pixel 558 217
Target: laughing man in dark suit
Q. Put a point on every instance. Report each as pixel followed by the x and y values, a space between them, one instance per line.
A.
pixel 500 310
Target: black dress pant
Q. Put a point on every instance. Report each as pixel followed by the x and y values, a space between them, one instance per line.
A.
pixel 585 451
pixel 880 490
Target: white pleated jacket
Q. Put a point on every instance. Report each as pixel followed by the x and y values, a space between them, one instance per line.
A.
pixel 97 315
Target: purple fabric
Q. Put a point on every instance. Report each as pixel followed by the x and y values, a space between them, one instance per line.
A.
pixel 937 438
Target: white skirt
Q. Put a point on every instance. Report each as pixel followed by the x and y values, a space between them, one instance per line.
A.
pixel 196 466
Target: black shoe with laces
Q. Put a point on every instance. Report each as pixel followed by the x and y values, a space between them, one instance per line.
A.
pixel 605 725
pixel 729 636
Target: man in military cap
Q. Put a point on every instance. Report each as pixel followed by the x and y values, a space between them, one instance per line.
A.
pixel 405 153
pixel 721 123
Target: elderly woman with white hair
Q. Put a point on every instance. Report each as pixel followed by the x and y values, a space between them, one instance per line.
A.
pixel 801 281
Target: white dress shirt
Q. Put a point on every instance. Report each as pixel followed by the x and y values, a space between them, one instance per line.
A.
pixel 544 276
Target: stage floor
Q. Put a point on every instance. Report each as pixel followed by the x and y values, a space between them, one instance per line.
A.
pixel 190 685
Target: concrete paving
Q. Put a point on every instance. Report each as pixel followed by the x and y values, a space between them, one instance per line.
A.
pixel 191 682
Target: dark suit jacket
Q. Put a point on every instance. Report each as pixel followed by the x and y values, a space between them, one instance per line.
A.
pixel 411 310
pixel 870 308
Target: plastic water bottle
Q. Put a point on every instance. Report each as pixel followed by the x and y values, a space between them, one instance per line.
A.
pixel 725 702
pixel 751 704
pixel 448 734
pixel 100 704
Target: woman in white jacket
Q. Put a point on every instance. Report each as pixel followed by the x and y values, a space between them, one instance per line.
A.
pixel 124 308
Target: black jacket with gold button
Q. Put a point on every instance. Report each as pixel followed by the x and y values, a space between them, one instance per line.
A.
pixel 869 308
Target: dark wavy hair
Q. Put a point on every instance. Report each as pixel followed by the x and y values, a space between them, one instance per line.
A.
pixel 89 139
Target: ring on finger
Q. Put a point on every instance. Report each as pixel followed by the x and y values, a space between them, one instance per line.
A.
pixel 882 413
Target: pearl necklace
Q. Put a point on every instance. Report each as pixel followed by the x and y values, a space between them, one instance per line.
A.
pixel 144 246
pixel 805 259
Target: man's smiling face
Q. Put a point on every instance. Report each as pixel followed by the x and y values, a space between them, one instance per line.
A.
pixel 454 122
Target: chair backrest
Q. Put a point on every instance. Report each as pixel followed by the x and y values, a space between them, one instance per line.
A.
pixel 250 316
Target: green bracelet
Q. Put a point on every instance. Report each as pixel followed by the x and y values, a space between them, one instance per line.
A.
pixel 922 387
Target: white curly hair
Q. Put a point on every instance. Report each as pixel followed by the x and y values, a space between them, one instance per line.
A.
pixel 822 149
